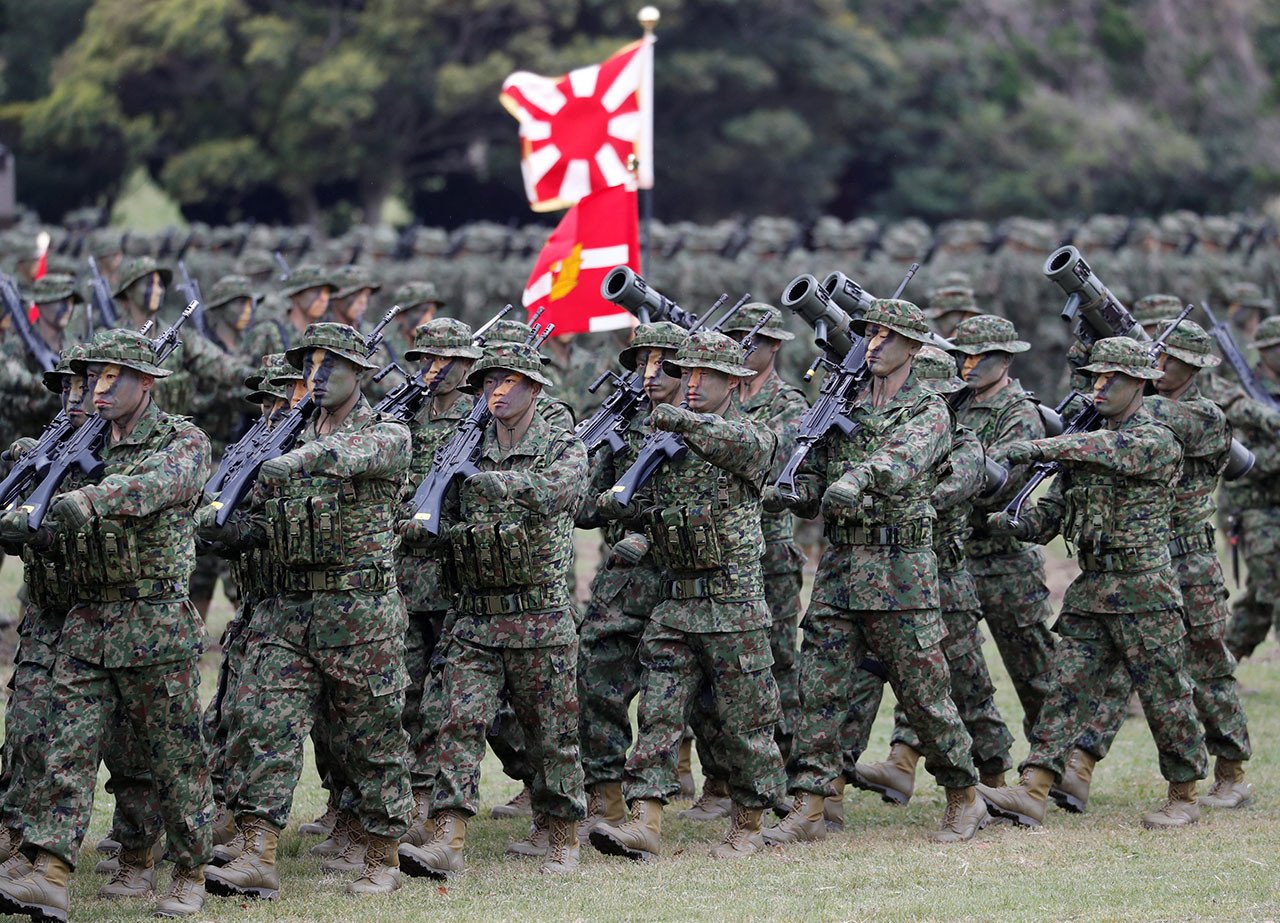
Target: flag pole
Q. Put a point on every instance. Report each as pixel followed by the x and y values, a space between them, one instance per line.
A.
pixel 648 17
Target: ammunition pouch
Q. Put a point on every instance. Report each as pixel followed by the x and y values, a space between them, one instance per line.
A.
pixel 329 523
pixel 684 538
pixel 916 533
pixel 496 555
pixel 308 530
pixel 950 552
pixel 48 579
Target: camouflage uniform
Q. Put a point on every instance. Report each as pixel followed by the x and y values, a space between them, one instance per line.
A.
pixel 1008 574
pixel 132 640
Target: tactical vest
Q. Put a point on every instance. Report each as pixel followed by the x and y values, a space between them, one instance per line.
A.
pixel 1117 523
pixel 48 577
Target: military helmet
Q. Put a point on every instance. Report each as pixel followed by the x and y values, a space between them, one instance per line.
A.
pixel 987 333
pixel 662 335
pixel 305 277
pixel 751 314
pixel 709 349
pixel 514 357
pixel 413 294
pixel 1189 342
pixel 443 336
pixel 124 347
pixel 339 339
pixel 228 289
pixel 1150 308
pixel 1123 355
pixel 936 367
pixel 350 279
pixel 52 379
pixel 54 287
pixel 1267 334
pixel 134 269
pixel 902 317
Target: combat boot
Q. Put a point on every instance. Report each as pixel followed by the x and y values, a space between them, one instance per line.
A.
pixel 894 779
pixel 350 858
pixel 1179 809
pixel 345 829
pixel 420 829
pixel 381 872
pixel 185 896
pixel 135 876
pixel 10 840
pixel 324 824
pixel 713 804
pixel 224 826
pixel 253 873
pixel 108 845
pixel 519 806
pixel 833 807
pixel 744 837
pixel 1072 793
pixel 966 815
pixel 535 844
pixel 606 805
pixel 805 823
pixel 229 851
pixel 1229 789
pixel 562 848
pixel 639 839
pixel 40 892
pixel 1024 803
pixel 441 857
pixel 684 770
pixel 111 864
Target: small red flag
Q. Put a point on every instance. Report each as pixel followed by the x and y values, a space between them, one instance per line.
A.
pixel 600 232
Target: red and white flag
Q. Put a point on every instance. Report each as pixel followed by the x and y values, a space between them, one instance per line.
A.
pixel 600 232
pixel 577 131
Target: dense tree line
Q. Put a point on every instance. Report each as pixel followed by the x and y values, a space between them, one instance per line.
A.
pixel 316 111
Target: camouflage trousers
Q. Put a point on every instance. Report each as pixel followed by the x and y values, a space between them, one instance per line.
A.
pixel 420 641
pixel 1257 612
pixel 541 685
pixel 27 730
pixel 1212 670
pixel 161 703
pixel 608 681
pixel 217 724
pixel 1015 604
pixel 1150 647
pixel 735 668
pixel 971 690
pixel 909 644
pixel 358 690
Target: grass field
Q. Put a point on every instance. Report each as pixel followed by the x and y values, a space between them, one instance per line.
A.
pixel 1097 866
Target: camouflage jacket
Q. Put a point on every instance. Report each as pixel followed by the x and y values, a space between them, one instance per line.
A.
pixel 28 404
pixel 142 534
pixel 556 412
pixel 1258 427
pixel 420 567
pixel 881 553
pixel 218 381
pixel 511 554
pixel 779 406
pixel 1113 502
pixel 953 501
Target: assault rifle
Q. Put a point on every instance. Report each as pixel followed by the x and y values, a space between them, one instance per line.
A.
pixel 100 297
pixel 611 420
pixel 1231 352
pixel 662 446
pixel 1085 420
pixel 238 471
pixel 35 345
pixel 81 449
pixel 456 459
pixel 190 289
pixel 828 311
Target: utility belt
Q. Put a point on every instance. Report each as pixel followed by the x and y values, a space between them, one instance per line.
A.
pixel 531 599
pixel 917 533
pixel 370 579
pixel 727 582
pixel 1197 539
pixel 1123 559
pixel 141 589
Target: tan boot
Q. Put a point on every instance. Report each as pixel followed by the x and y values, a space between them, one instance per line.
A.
pixel 10 840
pixel 135 876
pixel 713 804
pixel 253 873
pixel 224 826
pixel 744 837
pixel 381 872
pixel 894 779
pixel 1229 789
pixel 345 829
pixel 40 892
pixel 639 838
pixel 420 827
pixel 230 850
pixel 108 845
pixel 442 857
pixel 804 824
pixel 966 815
pixel 1024 803
pixel 684 770
pixel 562 848
pixel 833 807
pixel 111 864
pixel 519 806
pixel 324 824
pixel 350 858
pixel 1180 809
pixel 535 844
pixel 185 896
pixel 1072 793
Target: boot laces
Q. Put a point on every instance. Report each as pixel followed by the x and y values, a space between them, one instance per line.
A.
pixel 595 804
pixel 123 870
pixel 738 831
pixel 559 842
pixel 951 818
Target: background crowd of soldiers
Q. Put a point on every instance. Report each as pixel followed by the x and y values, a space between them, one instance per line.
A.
pixel 402 639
